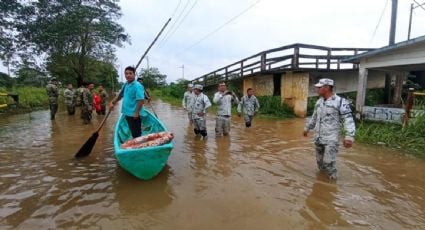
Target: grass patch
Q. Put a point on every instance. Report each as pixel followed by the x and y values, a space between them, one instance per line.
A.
pixel 410 138
pixel 29 98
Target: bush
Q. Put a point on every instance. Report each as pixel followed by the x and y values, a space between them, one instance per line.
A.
pixel 272 105
pixel 409 138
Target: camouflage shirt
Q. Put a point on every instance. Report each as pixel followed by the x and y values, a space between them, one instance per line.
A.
pixel 327 120
pixel 224 102
pixel 103 97
pixel 187 100
pixel 69 96
pixel 250 105
pixel 87 99
pixel 52 90
pixel 199 103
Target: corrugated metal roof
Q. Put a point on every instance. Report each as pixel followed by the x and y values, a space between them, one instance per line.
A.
pixel 357 58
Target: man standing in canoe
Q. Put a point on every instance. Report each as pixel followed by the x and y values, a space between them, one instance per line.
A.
pixel 133 95
pixel 250 106
pixel 330 113
pixel 53 94
pixel 187 101
pixel 224 100
pixel 199 106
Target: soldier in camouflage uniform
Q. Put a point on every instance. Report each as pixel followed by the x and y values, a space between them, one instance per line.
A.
pixel 53 94
pixel 103 99
pixel 186 102
pixel 224 100
pixel 330 113
pixel 199 105
pixel 87 104
pixel 250 106
pixel 70 99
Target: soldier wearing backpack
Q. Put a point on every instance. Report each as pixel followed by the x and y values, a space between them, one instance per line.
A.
pixel 199 106
pixel 250 106
pixel 331 112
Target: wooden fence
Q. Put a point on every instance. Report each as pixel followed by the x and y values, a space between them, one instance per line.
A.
pixel 296 57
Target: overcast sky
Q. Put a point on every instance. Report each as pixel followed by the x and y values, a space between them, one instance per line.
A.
pixel 267 24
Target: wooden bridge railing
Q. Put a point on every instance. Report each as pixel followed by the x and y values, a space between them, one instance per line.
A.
pixel 294 57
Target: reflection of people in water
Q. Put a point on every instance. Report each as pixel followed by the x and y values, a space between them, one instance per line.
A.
pixel 223 157
pixel 137 197
pixel 197 150
pixel 321 201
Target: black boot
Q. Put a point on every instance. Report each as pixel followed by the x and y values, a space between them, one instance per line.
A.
pixel 196 131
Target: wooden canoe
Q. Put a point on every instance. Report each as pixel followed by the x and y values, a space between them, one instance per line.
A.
pixel 144 163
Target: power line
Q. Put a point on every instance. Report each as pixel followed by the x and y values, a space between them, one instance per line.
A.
pixel 175 10
pixel 174 23
pixel 379 21
pixel 181 21
pixel 419 5
pixel 219 28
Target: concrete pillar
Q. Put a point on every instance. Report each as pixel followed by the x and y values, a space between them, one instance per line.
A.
pixel 361 91
pixel 398 89
pixel 294 91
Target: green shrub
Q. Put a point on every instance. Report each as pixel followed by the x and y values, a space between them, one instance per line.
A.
pixel 272 105
pixel 409 138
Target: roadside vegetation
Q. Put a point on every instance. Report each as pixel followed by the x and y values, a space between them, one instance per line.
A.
pixel 270 106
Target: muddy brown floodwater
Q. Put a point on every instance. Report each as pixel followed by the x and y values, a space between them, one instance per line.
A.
pixel 259 178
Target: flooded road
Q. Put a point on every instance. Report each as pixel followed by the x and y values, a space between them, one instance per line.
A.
pixel 265 179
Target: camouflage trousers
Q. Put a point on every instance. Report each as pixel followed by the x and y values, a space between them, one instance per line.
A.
pixel 86 114
pixel 53 110
pixel 189 116
pixel 53 105
pixel 200 126
pixel 71 109
pixel 248 120
pixel 326 158
pixel 222 125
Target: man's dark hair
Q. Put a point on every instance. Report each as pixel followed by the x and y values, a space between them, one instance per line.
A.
pixel 248 89
pixel 131 68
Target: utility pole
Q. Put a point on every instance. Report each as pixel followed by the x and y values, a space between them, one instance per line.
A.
pixel 182 67
pixel 393 21
pixel 412 7
pixel 410 21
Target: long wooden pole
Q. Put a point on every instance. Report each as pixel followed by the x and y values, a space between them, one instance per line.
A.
pixel 157 36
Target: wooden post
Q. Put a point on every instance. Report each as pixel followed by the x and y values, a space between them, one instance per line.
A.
pixel 361 91
pixel 328 60
pixel 296 58
pixel 241 69
pixel 263 62
pixel 409 106
pixel 317 63
pixel 226 77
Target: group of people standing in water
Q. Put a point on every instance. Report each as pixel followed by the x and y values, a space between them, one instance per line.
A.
pixel 331 114
pixel 196 103
pixel 85 97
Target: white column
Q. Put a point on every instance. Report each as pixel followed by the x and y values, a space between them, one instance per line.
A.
pixel 361 90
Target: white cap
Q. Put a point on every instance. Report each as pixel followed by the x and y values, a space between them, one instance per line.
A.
pixel 190 85
pixel 325 81
pixel 200 87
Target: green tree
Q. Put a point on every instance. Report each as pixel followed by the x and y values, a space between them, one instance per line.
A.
pixel 6 80
pixel 72 33
pixel 152 78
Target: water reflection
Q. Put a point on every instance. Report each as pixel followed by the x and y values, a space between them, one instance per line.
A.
pixel 321 209
pixel 135 196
